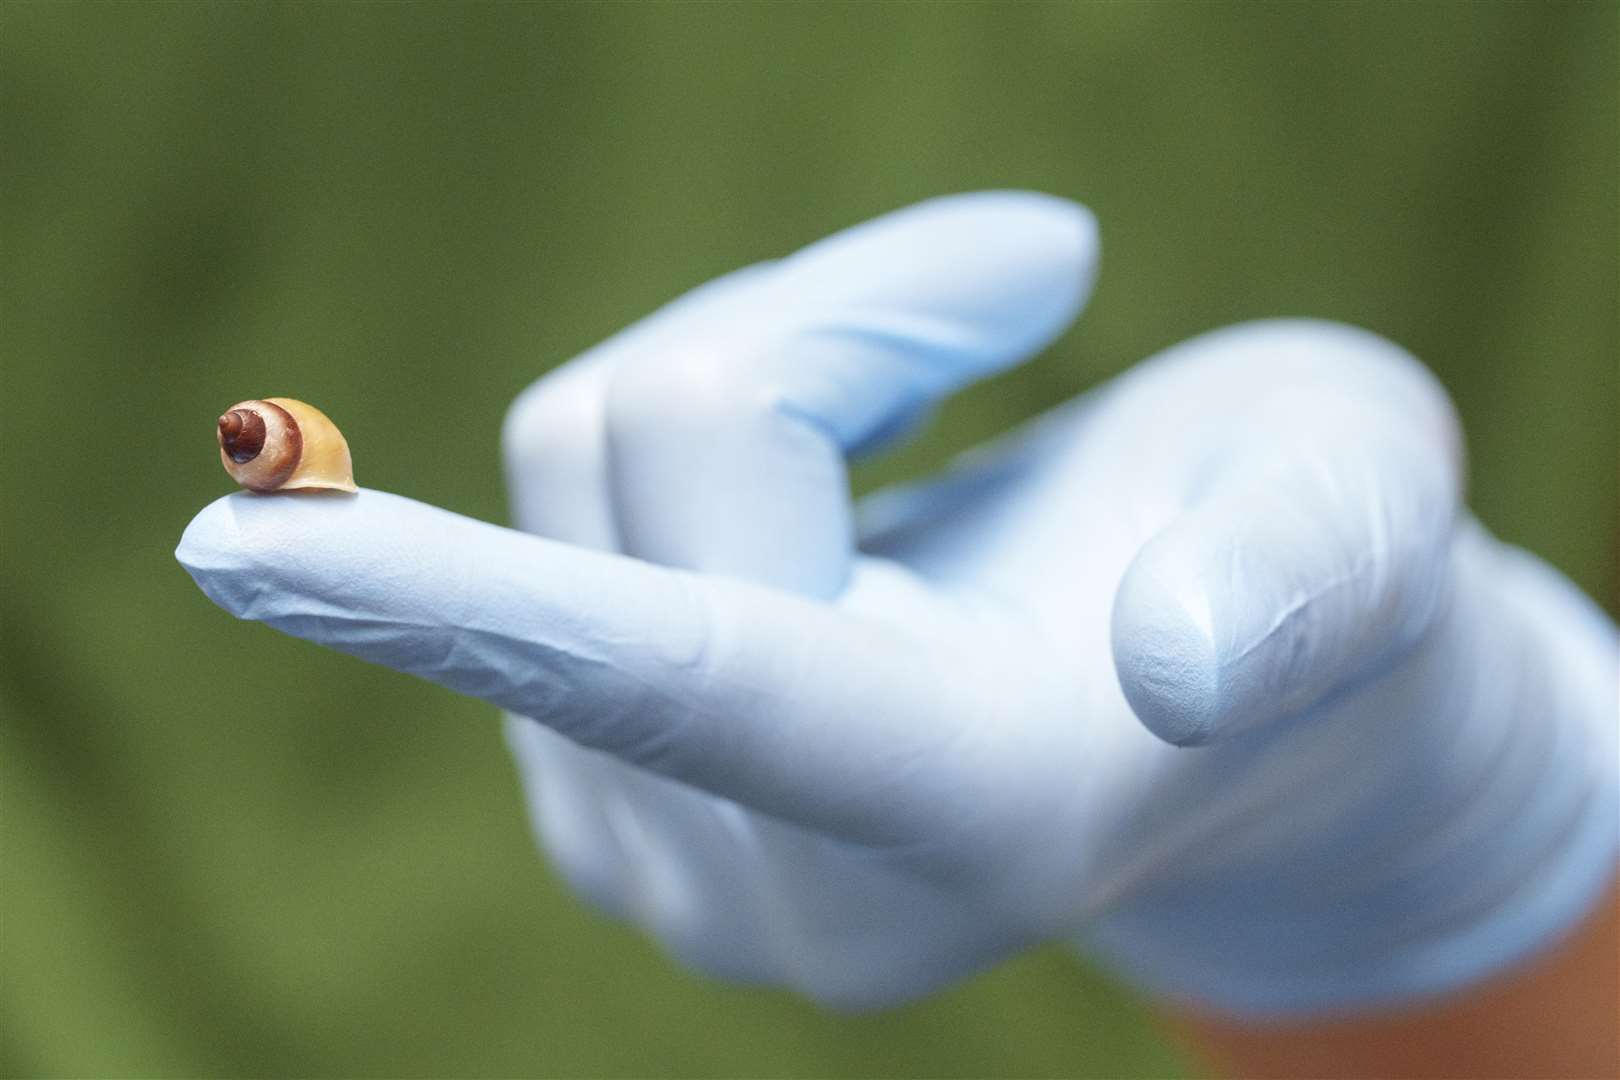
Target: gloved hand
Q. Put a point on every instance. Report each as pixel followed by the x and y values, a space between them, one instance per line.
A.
pixel 1205 670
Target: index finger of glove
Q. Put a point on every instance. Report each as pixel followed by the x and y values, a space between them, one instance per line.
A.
pixel 753 695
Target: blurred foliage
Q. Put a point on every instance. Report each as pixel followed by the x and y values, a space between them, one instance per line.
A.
pixel 226 852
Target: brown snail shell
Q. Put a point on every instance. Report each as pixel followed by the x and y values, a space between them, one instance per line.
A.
pixel 282 444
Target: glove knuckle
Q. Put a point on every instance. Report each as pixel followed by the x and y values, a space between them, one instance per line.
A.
pixel 704 386
pixel 558 417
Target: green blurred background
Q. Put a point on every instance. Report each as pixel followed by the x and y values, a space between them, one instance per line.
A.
pixel 226 852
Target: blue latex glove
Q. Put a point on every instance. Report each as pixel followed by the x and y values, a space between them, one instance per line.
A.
pixel 864 768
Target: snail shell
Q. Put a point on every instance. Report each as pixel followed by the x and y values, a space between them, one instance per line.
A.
pixel 280 444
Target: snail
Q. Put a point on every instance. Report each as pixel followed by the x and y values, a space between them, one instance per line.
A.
pixel 279 444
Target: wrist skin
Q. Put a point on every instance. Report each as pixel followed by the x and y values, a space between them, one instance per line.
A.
pixel 1555 1015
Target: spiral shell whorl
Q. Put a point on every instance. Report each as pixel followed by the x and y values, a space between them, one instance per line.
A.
pixel 241 434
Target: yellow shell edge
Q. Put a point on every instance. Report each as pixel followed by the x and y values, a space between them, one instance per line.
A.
pixel 325 464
